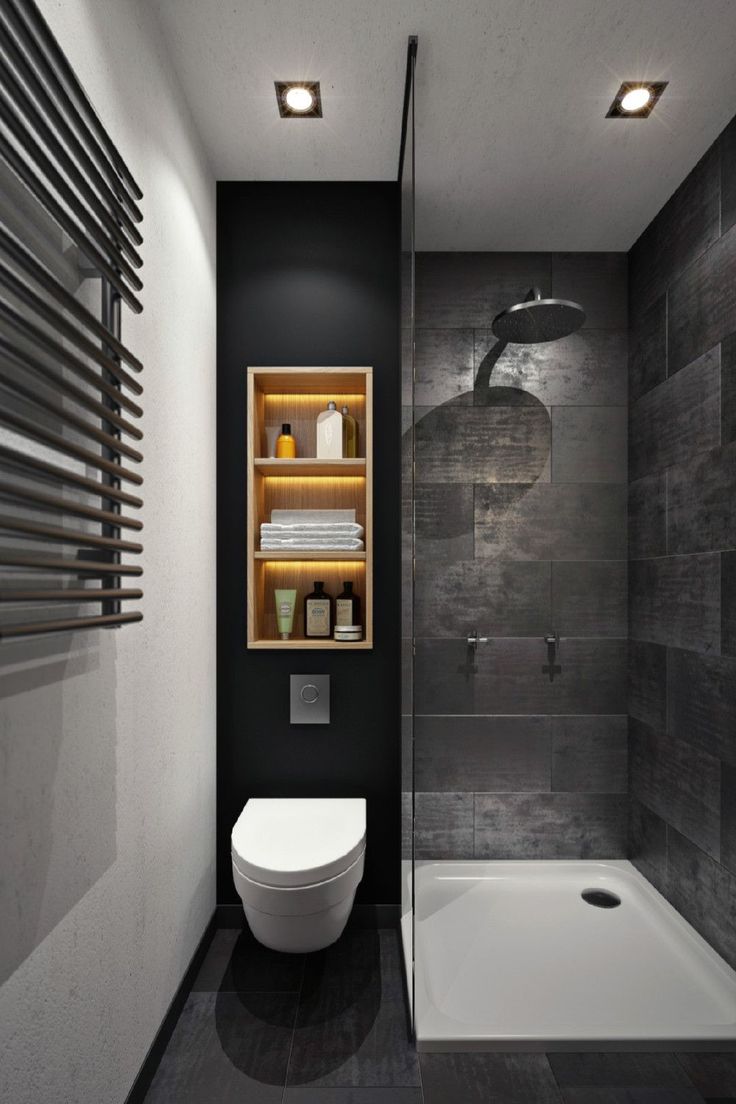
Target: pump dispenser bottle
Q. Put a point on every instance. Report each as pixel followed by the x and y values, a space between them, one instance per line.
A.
pixel 329 433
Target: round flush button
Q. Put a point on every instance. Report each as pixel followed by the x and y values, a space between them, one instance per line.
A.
pixel 309 693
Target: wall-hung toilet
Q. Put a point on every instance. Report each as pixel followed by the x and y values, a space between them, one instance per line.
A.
pixel 297 863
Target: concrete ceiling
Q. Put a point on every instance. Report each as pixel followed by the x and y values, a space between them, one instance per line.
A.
pixel 513 150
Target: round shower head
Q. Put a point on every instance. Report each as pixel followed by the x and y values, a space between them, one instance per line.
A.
pixel 538 319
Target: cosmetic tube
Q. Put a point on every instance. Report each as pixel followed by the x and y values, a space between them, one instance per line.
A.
pixel 285 605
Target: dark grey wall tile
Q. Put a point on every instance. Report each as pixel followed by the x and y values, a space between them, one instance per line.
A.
pixel 509 677
pixel 683 229
pixel 494 754
pixel 728 389
pixel 589 754
pixel 701 502
pixel 648 844
pixel 562 521
pixel 705 893
pixel 487 1079
pixel 443 825
pixel 676 600
pixel 678 419
pixel 728 816
pixel 589 598
pixel 648 683
pixel 444 366
pixel 598 281
pixel 589 444
pixel 727 143
pixel 507 444
pixel 588 368
pixel 499 598
pixel 701 702
pixel 648 349
pixel 470 289
pixel 443 516
pixel 678 782
pixel 702 303
pixel 550 826
pixel 728 603
pixel 648 516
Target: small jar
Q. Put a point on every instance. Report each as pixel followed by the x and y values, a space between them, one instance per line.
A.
pixel 348 633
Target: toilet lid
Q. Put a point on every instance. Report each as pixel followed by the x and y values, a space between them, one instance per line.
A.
pixel 283 841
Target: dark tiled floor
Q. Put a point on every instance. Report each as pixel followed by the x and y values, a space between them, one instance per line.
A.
pixel 331 1028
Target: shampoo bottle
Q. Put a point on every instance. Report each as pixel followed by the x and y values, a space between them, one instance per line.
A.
pixel 349 433
pixel 318 613
pixel 286 445
pixel 329 433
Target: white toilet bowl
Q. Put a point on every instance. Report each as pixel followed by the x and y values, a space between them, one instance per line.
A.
pixel 297 863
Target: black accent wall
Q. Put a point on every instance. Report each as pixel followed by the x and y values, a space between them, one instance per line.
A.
pixel 682 526
pixel 308 274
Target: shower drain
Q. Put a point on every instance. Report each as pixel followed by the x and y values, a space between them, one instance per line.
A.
pixel 601 898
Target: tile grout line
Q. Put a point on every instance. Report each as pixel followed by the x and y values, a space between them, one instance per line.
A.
pixel 293 1029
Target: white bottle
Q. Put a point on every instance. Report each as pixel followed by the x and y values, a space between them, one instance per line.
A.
pixel 329 433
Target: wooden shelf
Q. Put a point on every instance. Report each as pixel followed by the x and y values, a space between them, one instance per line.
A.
pixel 296 396
pixel 308 465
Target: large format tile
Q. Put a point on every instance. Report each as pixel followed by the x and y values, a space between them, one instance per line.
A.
pixel 727 143
pixel 589 598
pixel 227 1047
pixel 679 782
pixel 588 368
pixel 511 676
pixel 444 367
pixel 648 844
pixel 728 389
pixel 702 303
pixel 675 421
pixel 714 1075
pixel 676 600
pixel 598 281
pixel 482 753
pixel 304 1094
pixel 443 825
pixel 648 349
pixel 701 702
pixel 496 443
pixel 648 683
pixel 550 826
pixel 622 1078
pixel 701 502
pixel 443 515
pixel 563 521
pixel 648 516
pixel 499 598
pixel 728 603
pixel 236 961
pixel 589 754
pixel 488 1079
pixel 470 289
pixel 705 893
pixel 589 444
pixel 728 816
pixel 682 231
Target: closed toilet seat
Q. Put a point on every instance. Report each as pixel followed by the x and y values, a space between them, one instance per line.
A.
pixel 297 863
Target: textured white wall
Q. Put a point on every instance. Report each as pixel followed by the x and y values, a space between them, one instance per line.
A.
pixel 107 740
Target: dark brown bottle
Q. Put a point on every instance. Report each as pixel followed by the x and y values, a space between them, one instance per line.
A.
pixel 318 613
pixel 347 607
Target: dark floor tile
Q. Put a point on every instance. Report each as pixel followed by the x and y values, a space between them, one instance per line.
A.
pixel 443 825
pixel 701 702
pixel 444 521
pixel 728 389
pixel 728 816
pixel 648 516
pixel 469 289
pixel 648 843
pixel 550 826
pixel 714 1075
pixel 618 1070
pixel 727 143
pixel 728 603
pixel 354 962
pixel 499 598
pixel 589 444
pixel 701 503
pixel 443 367
pixel 496 443
pixel 675 421
pixel 301 1094
pixel 702 303
pixel 676 600
pixel 678 782
pixel 487 1079
pixel 590 598
pixel 563 521
pixel 685 227
pixel 227 1047
pixel 589 754
pixel 495 754
pixel 236 961
pixel 704 892
pixel 648 349
pixel 598 281
pixel 588 368
pixel 628 1095
pixel 648 683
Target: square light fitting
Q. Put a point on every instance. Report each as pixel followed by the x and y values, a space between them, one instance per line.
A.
pixel 299 99
pixel 636 99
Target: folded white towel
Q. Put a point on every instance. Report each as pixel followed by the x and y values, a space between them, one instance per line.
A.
pixel 317 529
pixel 308 544
pixel 311 517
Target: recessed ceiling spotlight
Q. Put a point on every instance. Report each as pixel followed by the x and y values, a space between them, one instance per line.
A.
pixel 636 99
pixel 299 99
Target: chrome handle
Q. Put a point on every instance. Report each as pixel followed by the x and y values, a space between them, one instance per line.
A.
pixel 475 640
pixel 552 640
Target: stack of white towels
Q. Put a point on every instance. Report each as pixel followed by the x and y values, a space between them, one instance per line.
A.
pixel 312 530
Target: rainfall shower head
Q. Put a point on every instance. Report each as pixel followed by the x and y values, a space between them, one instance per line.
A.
pixel 538 319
